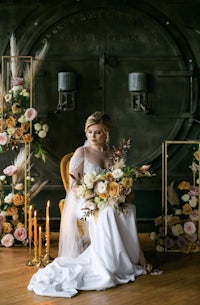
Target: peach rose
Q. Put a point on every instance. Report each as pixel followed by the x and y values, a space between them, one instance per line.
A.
pixel 30 114
pixel 18 199
pixel 10 122
pixel 114 189
pixel 7 227
pixel 7 240
pixel 4 138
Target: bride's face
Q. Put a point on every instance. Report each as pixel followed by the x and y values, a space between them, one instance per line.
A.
pixel 96 135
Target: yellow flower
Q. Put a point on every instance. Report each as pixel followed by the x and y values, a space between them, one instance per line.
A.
pixel 127 182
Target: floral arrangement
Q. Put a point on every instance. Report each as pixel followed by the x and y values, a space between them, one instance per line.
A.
pixel 113 186
pixel 183 216
pixel 19 123
pixel 13 202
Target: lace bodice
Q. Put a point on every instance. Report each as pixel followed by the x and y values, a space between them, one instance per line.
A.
pixel 90 167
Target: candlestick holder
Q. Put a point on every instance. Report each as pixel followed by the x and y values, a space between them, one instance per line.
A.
pixel 35 259
pixel 29 263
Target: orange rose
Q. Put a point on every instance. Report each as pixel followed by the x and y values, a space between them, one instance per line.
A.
pixel 25 127
pixel 114 189
pixel 7 227
pixel 10 122
pixel 27 138
pixel 187 209
pixel 18 133
pixel 103 195
pixel 184 185
pixel 197 155
pixel 12 211
pixel 18 199
pixel 15 107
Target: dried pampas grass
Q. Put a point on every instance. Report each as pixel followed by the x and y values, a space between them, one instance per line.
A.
pixel 172 195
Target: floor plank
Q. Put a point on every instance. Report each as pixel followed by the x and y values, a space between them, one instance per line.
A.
pixel 179 285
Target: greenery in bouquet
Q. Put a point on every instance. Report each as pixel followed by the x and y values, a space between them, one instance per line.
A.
pixel 113 186
pixel 182 220
pixel 15 199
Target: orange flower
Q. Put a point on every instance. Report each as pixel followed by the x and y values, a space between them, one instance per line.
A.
pixel 109 176
pixel 103 195
pixel 127 182
pixel 187 209
pixel 18 199
pixel 184 185
pixel 12 211
pixel 15 107
pixel 18 133
pixel 25 127
pixel 114 189
pixel 7 227
pixel 27 138
pixel 197 155
pixel 10 122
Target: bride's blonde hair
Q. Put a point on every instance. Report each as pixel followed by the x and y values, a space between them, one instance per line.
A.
pixel 102 119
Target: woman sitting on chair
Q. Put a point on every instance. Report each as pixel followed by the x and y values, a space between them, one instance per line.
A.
pixel 109 252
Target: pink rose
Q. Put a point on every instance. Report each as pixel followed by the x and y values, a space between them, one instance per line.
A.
pixel 30 114
pixel 4 138
pixel 10 170
pixel 189 227
pixel 20 233
pixel 7 240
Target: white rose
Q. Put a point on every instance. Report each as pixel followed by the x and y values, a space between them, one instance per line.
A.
pixel 153 235
pixel 45 127
pixel 117 173
pixel 89 180
pixel 90 205
pixel 2 178
pixel 8 198
pixel 193 201
pixel 7 240
pixel 37 126
pixel 185 197
pixel 178 212
pixel 80 190
pixel 11 131
pixel 19 186
pixel 42 134
pixel 22 119
pixel 177 229
pixel 102 187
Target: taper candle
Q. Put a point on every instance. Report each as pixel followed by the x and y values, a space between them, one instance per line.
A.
pixel 30 233
pixel 47 226
pixel 35 226
pixel 40 242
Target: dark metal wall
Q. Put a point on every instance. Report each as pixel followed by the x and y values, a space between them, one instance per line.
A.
pixel 102 42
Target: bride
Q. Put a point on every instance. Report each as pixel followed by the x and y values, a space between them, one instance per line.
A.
pixel 109 252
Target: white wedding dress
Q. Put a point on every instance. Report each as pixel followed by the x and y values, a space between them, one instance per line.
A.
pixel 111 257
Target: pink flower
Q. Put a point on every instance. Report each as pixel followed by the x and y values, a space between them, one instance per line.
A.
pixel 7 240
pixel 189 227
pixel 4 138
pixel 194 190
pixel 10 170
pixel 2 218
pixel 20 233
pixel 30 114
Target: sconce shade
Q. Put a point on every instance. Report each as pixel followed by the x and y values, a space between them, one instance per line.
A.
pixel 66 81
pixel 137 81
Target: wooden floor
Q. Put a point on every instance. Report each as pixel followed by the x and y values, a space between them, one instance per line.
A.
pixel 179 285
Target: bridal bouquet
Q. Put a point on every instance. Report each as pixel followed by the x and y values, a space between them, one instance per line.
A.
pixel 113 186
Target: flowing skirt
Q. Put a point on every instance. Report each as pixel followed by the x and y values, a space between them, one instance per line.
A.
pixel 112 258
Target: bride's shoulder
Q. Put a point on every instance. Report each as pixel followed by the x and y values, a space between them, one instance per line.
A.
pixel 79 152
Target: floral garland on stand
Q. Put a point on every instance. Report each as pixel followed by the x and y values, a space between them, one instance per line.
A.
pixel 183 216
pixel 20 128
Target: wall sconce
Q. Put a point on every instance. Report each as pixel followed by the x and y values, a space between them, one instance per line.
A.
pixel 66 89
pixel 137 86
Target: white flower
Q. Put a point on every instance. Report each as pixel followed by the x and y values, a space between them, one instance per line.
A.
pixel 2 178
pixel 10 131
pixel 19 186
pixel 89 179
pixel 90 205
pixel 8 97
pixel 177 229
pixel 22 119
pixel 160 248
pixel 153 235
pixel 117 173
pixel 37 126
pixel 7 240
pixel 42 134
pixel 80 190
pixel 102 187
pixel 45 127
pixel 178 212
pixel 193 201
pixel 185 197
pixel 8 198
